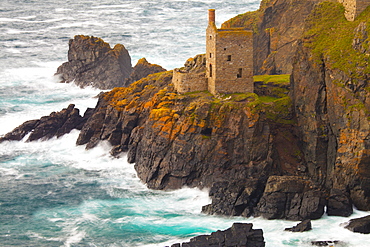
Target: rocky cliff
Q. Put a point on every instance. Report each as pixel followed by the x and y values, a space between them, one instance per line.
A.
pixel 277 25
pixel 330 91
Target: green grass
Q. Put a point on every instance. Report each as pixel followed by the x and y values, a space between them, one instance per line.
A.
pixel 274 79
pixel 330 35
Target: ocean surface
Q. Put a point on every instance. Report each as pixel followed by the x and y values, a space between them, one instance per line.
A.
pixel 54 193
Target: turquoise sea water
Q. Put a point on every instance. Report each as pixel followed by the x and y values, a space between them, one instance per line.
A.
pixel 54 193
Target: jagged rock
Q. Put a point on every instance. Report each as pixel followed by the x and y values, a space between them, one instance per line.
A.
pixel 56 124
pixel 361 225
pixel 339 203
pixel 301 227
pixel 291 197
pixel 92 62
pixel 239 235
pixel 21 131
pixel 142 69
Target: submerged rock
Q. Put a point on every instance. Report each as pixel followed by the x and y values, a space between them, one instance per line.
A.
pixel 239 235
pixel 92 62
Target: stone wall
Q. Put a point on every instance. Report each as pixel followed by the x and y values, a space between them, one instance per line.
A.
pixel 234 62
pixel 184 81
pixel 354 7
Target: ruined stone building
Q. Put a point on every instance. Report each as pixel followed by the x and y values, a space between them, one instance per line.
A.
pixel 353 8
pixel 229 63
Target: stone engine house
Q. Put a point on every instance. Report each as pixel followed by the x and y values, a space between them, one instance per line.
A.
pixel 353 8
pixel 229 62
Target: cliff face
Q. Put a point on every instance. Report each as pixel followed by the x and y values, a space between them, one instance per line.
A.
pixel 330 91
pixel 277 25
pixel 231 144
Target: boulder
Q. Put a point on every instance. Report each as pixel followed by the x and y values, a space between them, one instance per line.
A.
pixel 301 227
pixel 361 225
pixel 239 235
pixel 92 62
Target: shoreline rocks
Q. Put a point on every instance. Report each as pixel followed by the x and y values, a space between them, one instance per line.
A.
pixel 47 127
pixel 360 225
pixel 239 235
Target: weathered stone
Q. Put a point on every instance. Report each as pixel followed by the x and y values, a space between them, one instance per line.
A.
pixel 360 225
pixel 301 227
pixel 92 62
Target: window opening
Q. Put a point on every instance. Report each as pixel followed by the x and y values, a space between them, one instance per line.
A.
pixel 210 70
pixel 240 73
pixel 228 57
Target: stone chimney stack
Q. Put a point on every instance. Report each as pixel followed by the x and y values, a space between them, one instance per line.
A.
pixel 211 16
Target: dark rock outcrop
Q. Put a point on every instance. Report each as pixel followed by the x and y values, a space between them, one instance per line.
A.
pixel 54 125
pixel 239 235
pixel 303 226
pixel 92 62
pixel 339 203
pixel 142 69
pixel 292 198
pixel 360 225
